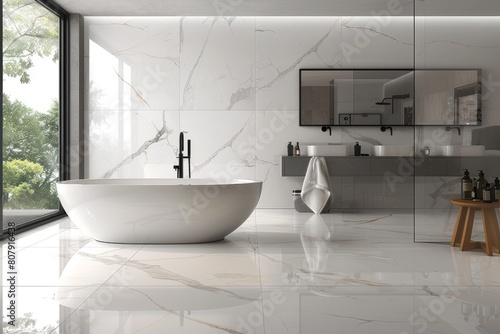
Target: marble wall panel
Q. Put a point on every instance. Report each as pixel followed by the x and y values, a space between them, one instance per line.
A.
pixel 453 42
pixel 286 44
pixel 463 42
pixel 217 63
pixel 220 151
pixel 117 148
pixel 377 42
pixel 232 84
pixel 133 63
pixel 275 129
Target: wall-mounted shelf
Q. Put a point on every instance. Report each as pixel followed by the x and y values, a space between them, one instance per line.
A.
pixel 402 166
pixel 453 166
pixel 346 166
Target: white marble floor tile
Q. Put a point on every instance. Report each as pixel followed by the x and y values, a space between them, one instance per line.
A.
pixel 92 264
pixel 36 310
pixel 71 237
pixel 333 310
pixel 381 310
pixel 203 288
pixel 206 321
pixel 30 238
pixel 280 272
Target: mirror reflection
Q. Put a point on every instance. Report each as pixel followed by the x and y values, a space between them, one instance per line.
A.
pixel 448 97
pixel 388 97
pixel 356 97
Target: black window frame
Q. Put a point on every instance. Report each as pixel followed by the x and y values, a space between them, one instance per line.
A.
pixel 64 115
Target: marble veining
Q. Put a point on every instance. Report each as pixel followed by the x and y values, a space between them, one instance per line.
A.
pixel 283 73
pixel 160 275
pixel 280 272
pixel 465 44
pixel 362 138
pixel 444 185
pixel 370 30
pixel 137 93
pixel 217 63
pixel 247 161
pixel 162 134
pixel 226 80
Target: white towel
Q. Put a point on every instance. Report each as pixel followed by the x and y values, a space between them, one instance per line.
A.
pixel 316 190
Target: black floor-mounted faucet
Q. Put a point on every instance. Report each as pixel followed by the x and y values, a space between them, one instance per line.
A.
pixel 180 167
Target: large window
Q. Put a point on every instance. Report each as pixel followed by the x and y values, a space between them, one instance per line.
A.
pixel 32 106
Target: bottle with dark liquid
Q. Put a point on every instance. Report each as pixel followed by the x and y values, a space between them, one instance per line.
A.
pixel 481 184
pixel 466 186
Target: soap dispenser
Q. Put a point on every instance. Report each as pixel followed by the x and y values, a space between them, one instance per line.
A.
pixel 357 149
pixel 297 150
pixel 497 189
pixel 487 194
pixel 474 189
pixel 481 184
pixel 466 186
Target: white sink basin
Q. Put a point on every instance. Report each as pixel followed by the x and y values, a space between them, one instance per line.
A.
pixel 393 150
pixel 326 150
pixel 458 150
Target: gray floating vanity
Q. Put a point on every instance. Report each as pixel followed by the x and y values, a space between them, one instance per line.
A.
pixel 404 166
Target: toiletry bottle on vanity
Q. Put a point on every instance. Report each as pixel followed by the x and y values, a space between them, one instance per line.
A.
pixel 357 149
pixel 297 150
pixel 474 189
pixel 481 183
pixel 290 149
pixel 497 189
pixel 487 193
pixel 466 186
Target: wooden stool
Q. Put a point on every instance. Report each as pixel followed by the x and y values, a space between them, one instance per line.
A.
pixel 465 220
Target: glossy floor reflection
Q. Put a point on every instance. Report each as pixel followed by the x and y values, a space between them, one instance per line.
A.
pixel 280 272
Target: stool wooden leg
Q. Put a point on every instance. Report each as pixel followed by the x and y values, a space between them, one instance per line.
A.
pixel 459 227
pixel 466 243
pixel 491 231
pixel 486 247
pixel 495 229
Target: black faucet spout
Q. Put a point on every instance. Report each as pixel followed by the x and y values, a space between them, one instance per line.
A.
pixel 180 167
pixel 384 128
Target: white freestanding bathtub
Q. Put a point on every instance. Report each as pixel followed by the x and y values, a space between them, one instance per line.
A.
pixel 158 210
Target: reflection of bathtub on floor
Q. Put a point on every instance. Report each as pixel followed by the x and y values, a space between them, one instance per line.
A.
pixel 153 289
pixel 158 210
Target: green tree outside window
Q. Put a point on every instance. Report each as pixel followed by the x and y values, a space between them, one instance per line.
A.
pixel 30 137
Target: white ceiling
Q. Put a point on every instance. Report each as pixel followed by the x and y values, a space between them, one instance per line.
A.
pixel 279 7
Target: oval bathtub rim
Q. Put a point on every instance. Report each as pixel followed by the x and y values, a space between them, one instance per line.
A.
pixel 151 182
pixel 99 219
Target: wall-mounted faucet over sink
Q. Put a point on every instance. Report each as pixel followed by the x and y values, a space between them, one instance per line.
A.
pixel 449 128
pixel 324 128
pixel 180 167
pixel 384 128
